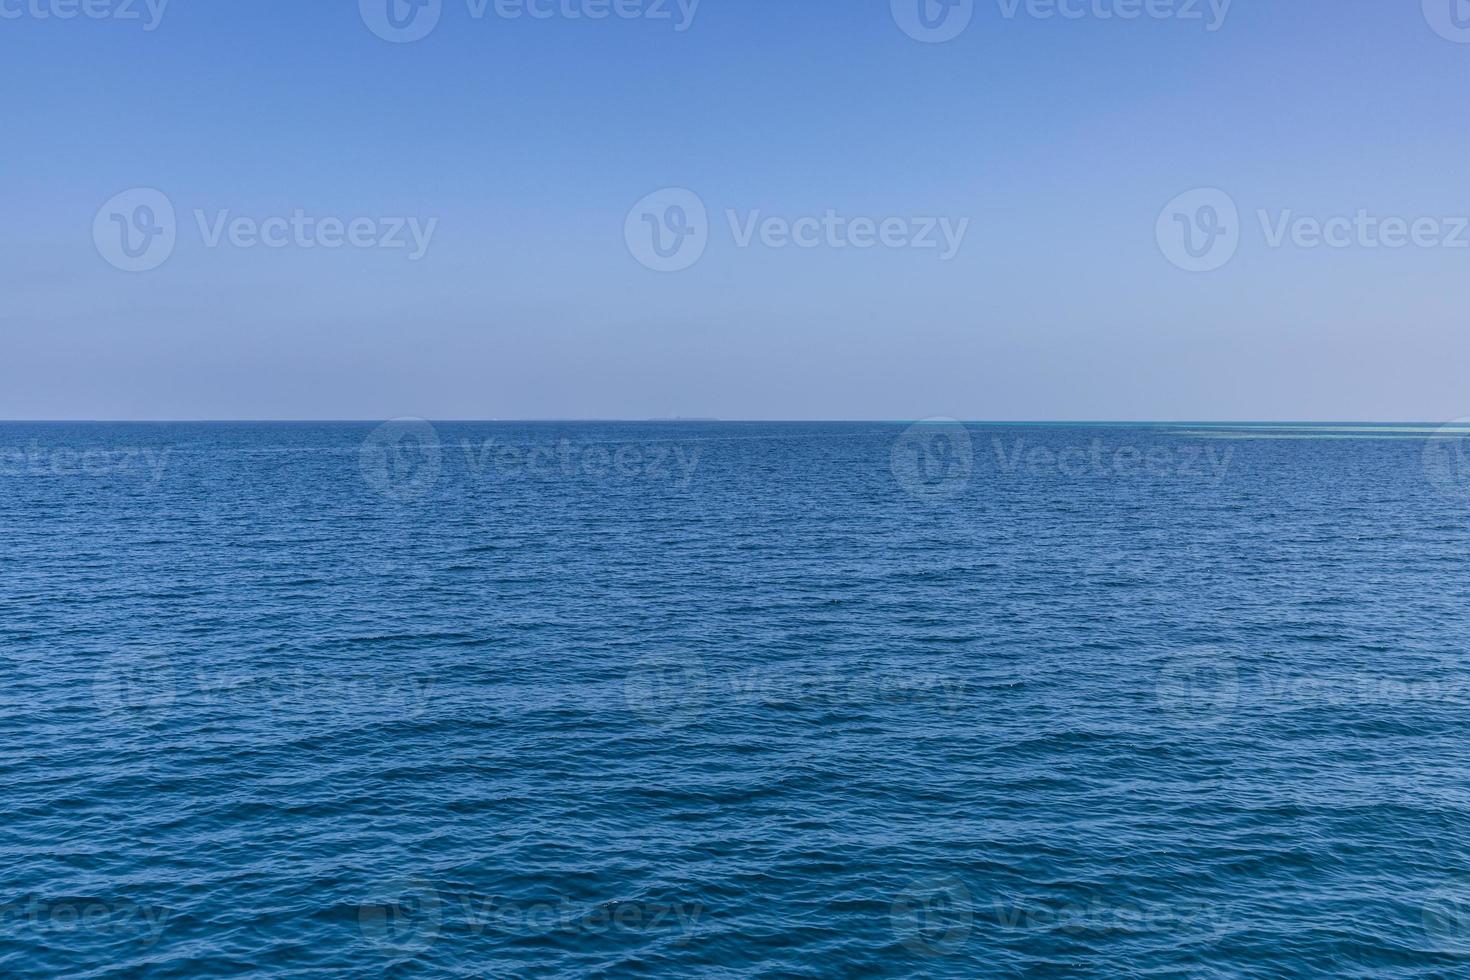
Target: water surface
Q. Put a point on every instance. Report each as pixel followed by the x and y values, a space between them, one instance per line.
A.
pixel 733 700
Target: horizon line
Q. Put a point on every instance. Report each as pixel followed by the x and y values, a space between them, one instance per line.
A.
pixel 681 420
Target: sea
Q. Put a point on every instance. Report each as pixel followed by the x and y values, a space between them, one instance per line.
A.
pixel 706 699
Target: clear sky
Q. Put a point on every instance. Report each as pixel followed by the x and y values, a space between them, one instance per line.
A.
pixel 518 147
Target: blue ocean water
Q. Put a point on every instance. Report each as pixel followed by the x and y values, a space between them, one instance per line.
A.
pixel 731 700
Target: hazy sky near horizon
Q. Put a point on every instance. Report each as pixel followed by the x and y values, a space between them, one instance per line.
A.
pixel 528 153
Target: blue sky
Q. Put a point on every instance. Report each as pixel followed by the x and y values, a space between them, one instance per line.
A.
pixel 1055 142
